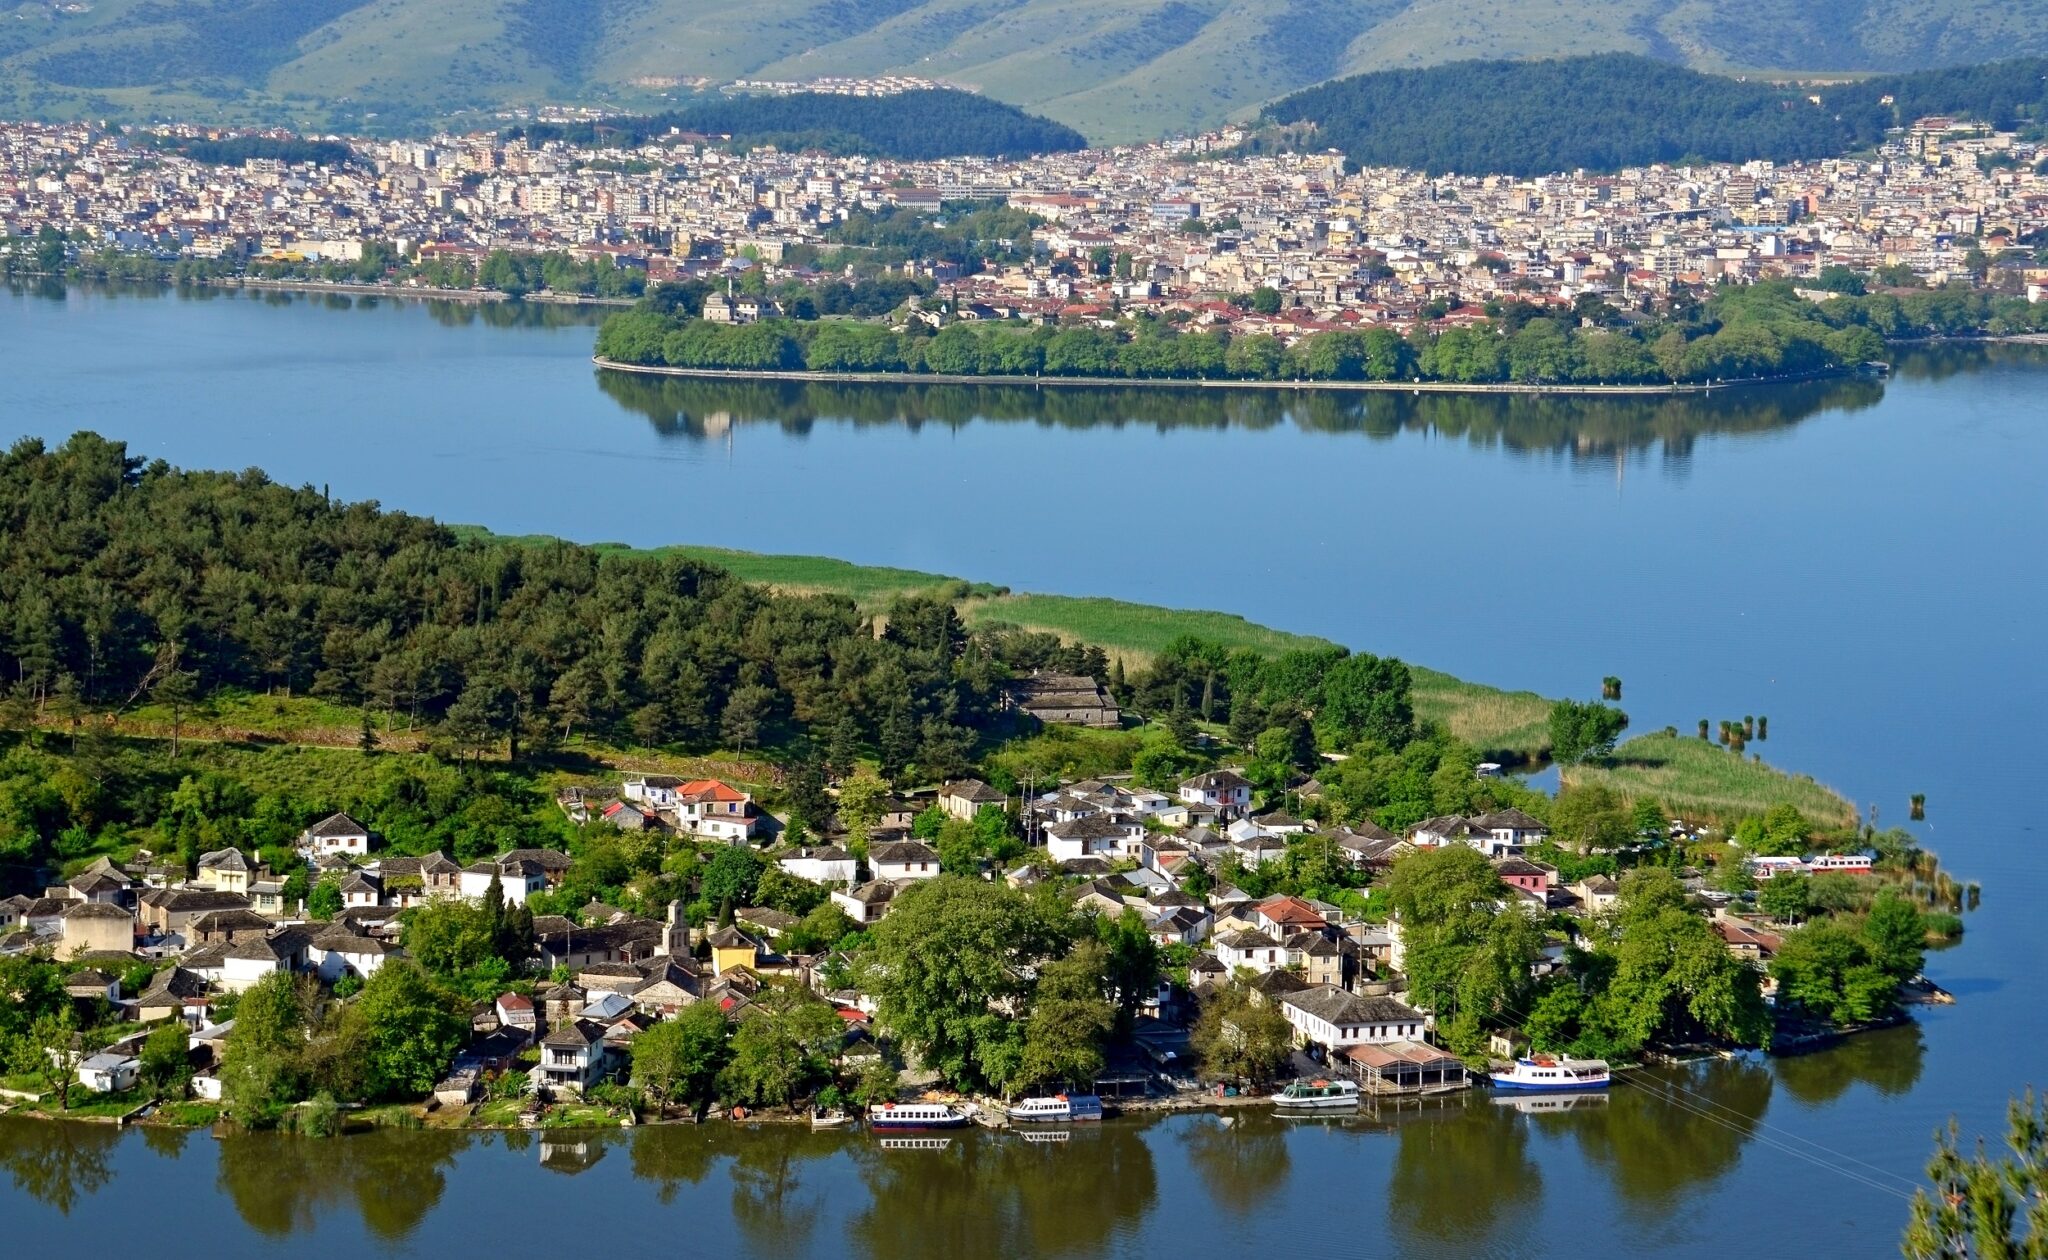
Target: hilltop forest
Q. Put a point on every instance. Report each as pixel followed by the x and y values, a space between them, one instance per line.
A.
pixel 1616 110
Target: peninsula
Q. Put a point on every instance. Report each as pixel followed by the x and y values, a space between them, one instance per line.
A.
pixel 499 831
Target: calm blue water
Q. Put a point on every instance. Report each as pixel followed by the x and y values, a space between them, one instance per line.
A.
pixel 1859 562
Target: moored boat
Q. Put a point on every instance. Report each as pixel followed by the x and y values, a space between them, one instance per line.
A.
pixel 1317 1095
pixel 912 1116
pixel 1552 1074
pixel 1057 1108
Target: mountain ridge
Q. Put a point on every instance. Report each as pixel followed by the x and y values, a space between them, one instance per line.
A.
pixel 1115 69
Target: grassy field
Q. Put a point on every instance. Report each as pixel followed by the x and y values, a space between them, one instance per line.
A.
pixel 1135 632
pixel 1486 717
pixel 1697 778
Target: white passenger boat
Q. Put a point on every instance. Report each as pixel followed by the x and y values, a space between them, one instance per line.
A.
pixel 1550 1074
pixel 1317 1095
pixel 913 1116
pixel 1057 1109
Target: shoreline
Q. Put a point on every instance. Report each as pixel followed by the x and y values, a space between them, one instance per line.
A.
pixel 259 284
pixel 1159 382
pixel 479 296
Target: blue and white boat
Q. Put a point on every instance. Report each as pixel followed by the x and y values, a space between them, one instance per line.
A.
pixel 915 1116
pixel 1551 1074
pixel 1057 1109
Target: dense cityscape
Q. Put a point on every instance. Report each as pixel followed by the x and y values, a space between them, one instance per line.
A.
pixel 1179 225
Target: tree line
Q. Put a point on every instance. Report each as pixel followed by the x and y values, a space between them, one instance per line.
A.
pixel 1740 332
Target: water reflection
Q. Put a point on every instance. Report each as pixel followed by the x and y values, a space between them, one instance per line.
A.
pixel 1668 1132
pixel 280 1185
pixel 1003 1196
pixel 1241 1158
pixel 1889 1061
pixel 1459 1173
pixel 58 1164
pixel 450 313
pixel 1575 427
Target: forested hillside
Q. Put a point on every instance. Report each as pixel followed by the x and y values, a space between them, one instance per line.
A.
pixel 1606 112
pixel 913 125
pixel 124 584
pixel 1115 69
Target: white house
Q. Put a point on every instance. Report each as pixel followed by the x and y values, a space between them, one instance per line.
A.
pixel 109 1073
pixel 1225 791
pixel 251 959
pixel 655 790
pixel 572 1056
pixel 1097 835
pixel 820 866
pixel 903 859
pixel 1510 831
pixel 967 797
pixel 1251 949
pixel 1331 1017
pixel 715 810
pixel 334 954
pixel 867 903
pixel 516 880
pixel 361 889
pixel 1259 850
pixel 335 834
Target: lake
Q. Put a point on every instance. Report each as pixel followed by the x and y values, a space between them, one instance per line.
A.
pixel 1857 560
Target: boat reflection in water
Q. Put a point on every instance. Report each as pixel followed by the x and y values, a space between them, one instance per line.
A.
pixel 1535 1104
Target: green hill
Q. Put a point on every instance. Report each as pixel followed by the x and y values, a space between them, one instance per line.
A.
pixel 1617 109
pixel 1115 69
pixel 912 125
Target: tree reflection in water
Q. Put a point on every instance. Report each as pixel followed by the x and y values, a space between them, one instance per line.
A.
pixel 58 1162
pixel 1001 1195
pixel 1460 1173
pixel 281 1184
pixel 1241 1157
pixel 1666 1131
pixel 1576 427
pixel 773 1207
pixel 673 1156
pixel 1888 1060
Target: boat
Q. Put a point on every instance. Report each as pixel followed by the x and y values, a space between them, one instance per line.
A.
pixel 823 1119
pixel 902 1116
pixel 1057 1109
pixel 1317 1095
pixel 1552 1074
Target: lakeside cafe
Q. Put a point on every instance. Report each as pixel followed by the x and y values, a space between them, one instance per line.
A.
pixel 1405 1067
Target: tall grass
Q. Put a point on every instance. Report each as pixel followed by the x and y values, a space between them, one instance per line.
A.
pixel 1486 717
pixel 1701 780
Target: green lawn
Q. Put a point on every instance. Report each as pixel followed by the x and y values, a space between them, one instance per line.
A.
pixel 1136 632
pixel 1696 778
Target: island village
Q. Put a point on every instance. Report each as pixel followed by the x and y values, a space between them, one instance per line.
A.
pixel 1308 987
pixel 1177 228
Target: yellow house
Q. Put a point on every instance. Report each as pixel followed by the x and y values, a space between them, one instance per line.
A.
pixel 730 947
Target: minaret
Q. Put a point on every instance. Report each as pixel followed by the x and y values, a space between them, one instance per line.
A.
pixel 675 935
